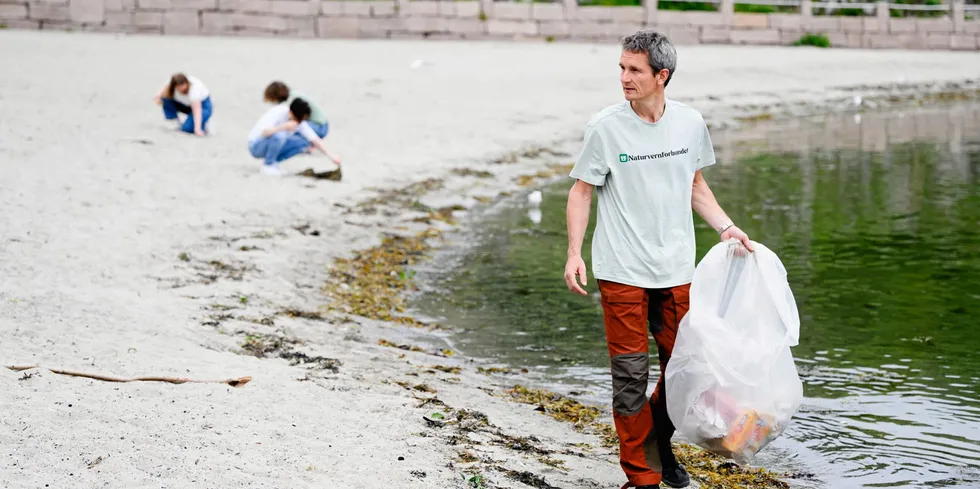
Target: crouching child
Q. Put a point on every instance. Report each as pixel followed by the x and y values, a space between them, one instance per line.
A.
pixel 283 132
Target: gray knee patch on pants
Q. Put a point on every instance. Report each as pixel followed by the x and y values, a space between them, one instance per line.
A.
pixel 630 374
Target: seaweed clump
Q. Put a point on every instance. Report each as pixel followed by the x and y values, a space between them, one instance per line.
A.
pixel 273 345
pixel 499 370
pixel 716 472
pixel 402 197
pixel 550 172
pixel 707 468
pixel 557 406
pixel 372 283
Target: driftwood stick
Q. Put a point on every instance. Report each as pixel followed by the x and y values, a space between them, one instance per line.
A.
pixel 172 380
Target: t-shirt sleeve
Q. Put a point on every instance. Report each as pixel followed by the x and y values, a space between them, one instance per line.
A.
pixel 198 92
pixel 306 131
pixel 706 153
pixel 591 166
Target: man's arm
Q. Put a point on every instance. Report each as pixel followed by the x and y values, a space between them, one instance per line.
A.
pixel 577 214
pixel 703 202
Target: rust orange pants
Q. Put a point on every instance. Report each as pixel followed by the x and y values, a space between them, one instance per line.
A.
pixel 642 424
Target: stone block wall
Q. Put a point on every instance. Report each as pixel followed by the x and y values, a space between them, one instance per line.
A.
pixel 482 19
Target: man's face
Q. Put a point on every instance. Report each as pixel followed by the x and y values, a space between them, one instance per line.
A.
pixel 637 77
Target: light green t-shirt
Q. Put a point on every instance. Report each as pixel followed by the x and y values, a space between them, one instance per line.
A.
pixel 316 114
pixel 643 173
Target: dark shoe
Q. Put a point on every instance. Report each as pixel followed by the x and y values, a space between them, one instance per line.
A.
pixel 676 477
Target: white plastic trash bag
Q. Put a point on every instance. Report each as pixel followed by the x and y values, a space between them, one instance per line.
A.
pixel 731 383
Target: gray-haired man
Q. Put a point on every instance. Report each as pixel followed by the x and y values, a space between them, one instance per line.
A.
pixel 644 158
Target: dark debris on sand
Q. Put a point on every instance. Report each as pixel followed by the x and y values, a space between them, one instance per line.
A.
pixel 274 345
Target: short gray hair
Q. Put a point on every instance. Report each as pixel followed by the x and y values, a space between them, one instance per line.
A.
pixel 659 50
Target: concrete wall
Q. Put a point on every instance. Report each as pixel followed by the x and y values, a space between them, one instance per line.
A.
pixel 480 19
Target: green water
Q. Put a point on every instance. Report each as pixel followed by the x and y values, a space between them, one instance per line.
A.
pixel 882 250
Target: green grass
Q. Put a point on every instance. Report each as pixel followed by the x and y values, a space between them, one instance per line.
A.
pixel 687 6
pixel 762 9
pixel 817 40
pixel 610 3
pixel 913 13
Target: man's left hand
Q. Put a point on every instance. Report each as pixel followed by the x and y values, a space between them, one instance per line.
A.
pixel 735 232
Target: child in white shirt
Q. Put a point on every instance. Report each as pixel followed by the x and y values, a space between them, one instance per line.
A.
pixel 186 95
pixel 281 133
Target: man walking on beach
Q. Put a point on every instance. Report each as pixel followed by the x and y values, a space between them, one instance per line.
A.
pixel 644 158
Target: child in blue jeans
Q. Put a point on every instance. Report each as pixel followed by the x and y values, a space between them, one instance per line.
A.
pixel 186 95
pixel 283 132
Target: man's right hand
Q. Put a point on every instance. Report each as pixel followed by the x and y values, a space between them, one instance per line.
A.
pixel 575 266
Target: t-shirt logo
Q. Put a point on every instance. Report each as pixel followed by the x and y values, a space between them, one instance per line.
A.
pixel 625 158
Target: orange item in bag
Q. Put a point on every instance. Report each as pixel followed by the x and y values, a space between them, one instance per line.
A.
pixel 747 433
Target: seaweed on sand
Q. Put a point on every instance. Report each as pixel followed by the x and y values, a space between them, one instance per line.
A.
pixel 557 406
pixel 527 478
pixel 273 345
pixel 469 172
pixel 470 420
pixel 212 270
pixel 446 369
pixel 417 387
pixel 372 283
pixel 265 345
pixel 716 472
pixel 440 353
pixel 529 153
pixel 499 370
pixel 553 462
pixel 431 401
pixel 296 313
pixel 466 456
pixel 522 443
pixel 389 344
pixel 705 467
pixel 320 362
pixel 402 197
pixel 550 172
pixel 444 214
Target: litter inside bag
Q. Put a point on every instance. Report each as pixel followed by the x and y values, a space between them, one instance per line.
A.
pixel 731 383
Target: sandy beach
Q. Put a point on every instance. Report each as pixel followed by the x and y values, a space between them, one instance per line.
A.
pixel 131 250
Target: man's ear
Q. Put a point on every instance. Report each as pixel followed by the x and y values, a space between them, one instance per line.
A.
pixel 662 76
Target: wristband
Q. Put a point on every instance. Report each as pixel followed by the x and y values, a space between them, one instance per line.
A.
pixel 725 227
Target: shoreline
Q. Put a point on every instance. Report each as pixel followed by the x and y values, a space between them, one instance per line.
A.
pixel 254 282
pixel 877 127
